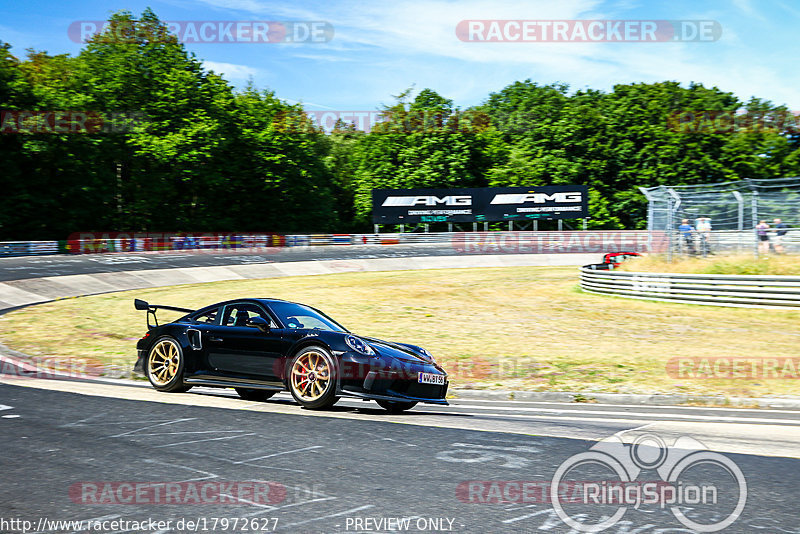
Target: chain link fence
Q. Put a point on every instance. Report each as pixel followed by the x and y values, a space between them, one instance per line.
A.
pixel 727 217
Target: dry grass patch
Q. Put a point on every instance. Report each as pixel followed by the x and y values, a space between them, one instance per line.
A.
pixel 728 264
pixel 522 328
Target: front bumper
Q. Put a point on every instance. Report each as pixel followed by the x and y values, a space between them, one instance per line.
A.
pixel 371 378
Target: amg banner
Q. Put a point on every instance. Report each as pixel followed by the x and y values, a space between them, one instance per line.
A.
pixel 396 206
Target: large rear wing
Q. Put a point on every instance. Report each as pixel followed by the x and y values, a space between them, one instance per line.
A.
pixel 152 309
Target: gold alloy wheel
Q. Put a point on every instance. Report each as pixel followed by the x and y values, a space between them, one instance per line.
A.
pixel 162 366
pixel 311 376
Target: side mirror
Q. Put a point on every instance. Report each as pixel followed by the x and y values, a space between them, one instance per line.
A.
pixel 259 322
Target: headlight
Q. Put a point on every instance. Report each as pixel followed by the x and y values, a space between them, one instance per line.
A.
pixel 359 345
pixel 427 354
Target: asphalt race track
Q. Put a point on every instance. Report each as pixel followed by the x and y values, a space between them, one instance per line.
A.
pixel 117 456
pixel 17 268
pixel 353 463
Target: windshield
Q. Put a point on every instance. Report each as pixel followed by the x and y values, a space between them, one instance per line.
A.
pixel 298 316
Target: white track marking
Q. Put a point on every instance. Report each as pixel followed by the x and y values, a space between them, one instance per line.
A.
pixel 152 426
pixel 5 407
pixel 277 454
pixel 461 402
pixel 661 417
pixel 228 460
pixel 618 434
pixel 201 440
pixel 10 416
pixel 398 441
pixel 337 514
pixel 518 448
pixel 546 417
pixel 208 474
pixel 192 432
pixel 527 516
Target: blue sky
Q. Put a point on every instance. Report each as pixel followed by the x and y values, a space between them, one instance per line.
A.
pixel 381 48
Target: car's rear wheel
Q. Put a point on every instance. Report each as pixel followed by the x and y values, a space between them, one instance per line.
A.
pixel 257 395
pixel 395 406
pixel 312 378
pixel 165 364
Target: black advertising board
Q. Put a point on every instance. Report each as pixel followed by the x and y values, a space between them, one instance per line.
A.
pixel 458 205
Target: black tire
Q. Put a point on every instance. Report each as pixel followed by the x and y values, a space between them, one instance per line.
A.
pixel 395 406
pixel 257 395
pixel 311 378
pixel 164 366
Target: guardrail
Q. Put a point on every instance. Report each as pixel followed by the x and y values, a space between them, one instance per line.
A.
pixel 494 242
pixel 708 289
pixel 28 248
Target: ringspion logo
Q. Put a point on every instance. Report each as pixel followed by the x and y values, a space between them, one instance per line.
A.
pixel 704 490
pixel 588 31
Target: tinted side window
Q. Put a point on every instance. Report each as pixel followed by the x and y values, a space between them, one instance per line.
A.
pixel 207 317
pixel 238 314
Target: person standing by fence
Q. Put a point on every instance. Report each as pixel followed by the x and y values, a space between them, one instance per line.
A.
pixel 777 239
pixel 763 238
pixel 687 232
pixel 704 230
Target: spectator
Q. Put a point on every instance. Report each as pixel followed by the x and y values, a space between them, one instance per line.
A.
pixel 704 230
pixel 687 231
pixel 777 239
pixel 763 238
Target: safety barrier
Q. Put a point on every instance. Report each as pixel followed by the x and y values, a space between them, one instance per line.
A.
pixel 28 248
pixel 708 289
pixel 496 242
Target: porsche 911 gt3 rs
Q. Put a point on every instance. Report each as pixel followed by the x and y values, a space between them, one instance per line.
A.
pixel 262 346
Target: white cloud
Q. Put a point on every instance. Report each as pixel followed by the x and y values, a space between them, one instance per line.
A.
pixel 232 71
pixel 409 41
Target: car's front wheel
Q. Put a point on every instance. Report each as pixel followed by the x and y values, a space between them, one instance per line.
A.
pixel 395 406
pixel 312 378
pixel 165 364
pixel 257 395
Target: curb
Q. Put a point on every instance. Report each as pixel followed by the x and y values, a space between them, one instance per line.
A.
pixel 792 403
pixel 22 360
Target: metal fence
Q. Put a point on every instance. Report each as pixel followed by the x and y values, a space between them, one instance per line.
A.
pixel 715 290
pixel 733 242
pixel 733 206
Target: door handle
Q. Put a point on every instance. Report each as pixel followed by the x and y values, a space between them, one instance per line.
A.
pixel 215 339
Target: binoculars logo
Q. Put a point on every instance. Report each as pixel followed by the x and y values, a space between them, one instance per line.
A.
pixel 622 491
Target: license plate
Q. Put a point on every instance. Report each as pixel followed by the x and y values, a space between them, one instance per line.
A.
pixel 430 378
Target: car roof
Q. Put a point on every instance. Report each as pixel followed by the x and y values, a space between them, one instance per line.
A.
pixel 262 300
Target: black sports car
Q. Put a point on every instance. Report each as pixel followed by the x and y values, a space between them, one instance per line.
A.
pixel 262 346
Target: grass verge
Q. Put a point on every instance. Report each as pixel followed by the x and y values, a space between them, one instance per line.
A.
pixel 526 328
pixel 730 264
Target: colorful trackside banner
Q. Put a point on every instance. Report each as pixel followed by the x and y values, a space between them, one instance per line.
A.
pixel 399 206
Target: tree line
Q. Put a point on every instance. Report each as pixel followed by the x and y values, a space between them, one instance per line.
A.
pixel 142 137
